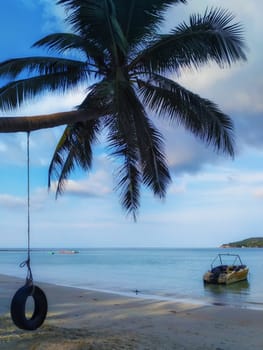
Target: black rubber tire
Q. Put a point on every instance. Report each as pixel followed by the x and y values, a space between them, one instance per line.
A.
pixel 18 307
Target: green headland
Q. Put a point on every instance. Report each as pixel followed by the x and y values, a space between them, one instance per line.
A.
pixel 253 242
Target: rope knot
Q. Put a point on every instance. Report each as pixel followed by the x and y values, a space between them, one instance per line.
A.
pixel 29 277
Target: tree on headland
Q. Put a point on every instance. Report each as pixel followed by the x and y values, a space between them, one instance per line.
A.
pixel 125 64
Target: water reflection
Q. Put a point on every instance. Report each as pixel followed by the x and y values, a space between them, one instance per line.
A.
pixel 239 287
pixel 232 294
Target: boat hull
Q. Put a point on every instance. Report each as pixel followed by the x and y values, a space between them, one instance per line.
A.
pixel 225 277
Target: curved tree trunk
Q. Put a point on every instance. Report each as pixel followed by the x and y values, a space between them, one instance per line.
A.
pixel 31 123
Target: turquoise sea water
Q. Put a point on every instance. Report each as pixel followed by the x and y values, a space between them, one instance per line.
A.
pixel 173 274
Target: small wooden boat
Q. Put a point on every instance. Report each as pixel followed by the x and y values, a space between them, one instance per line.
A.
pixel 222 273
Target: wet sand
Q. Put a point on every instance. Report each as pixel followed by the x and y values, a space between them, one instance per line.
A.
pixel 82 319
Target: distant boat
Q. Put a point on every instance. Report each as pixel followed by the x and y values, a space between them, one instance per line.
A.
pixel 64 252
pixel 68 252
pixel 222 273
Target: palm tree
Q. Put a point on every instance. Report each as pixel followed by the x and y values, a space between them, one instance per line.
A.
pixel 125 65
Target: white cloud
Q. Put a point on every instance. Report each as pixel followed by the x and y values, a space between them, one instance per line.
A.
pixel 3 147
pixel 258 192
pixel 9 201
pixel 95 185
pixel 177 188
pixel 53 15
pixel 49 103
pixel 229 175
pixel 185 152
pixel 206 77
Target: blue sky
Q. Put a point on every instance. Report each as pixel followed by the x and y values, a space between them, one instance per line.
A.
pixel 212 199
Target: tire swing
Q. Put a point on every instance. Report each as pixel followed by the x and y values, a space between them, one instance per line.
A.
pixel 18 303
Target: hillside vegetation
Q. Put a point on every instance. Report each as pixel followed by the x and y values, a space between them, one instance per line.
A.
pixel 254 242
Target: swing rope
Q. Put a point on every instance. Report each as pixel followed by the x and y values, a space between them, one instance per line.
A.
pixel 18 305
pixel 29 277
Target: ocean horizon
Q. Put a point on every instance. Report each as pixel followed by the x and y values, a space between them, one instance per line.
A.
pixel 159 273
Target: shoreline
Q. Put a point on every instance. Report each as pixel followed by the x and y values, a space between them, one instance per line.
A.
pixel 250 305
pixel 85 319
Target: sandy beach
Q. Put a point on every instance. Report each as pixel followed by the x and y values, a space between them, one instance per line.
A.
pixel 82 319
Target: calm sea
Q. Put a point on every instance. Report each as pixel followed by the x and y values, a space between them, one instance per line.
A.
pixel 172 274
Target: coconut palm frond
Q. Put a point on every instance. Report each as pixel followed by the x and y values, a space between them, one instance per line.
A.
pixel 74 149
pixel 99 98
pixel 128 179
pixel 221 37
pixel 88 17
pixel 154 169
pixel 129 186
pixel 208 38
pixel 13 94
pixel 123 145
pixel 198 115
pixel 67 166
pixel 61 42
pixel 139 19
pixel 39 65
pixel 64 42
pixel 139 147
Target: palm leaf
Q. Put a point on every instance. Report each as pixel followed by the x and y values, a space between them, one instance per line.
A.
pixel 96 20
pixel 74 149
pixel 155 170
pixel 198 115
pixel 64 42
pixel 99 99
pixel 122 143
pixel 123 146
pixel 15 93
pixel 155 173
pixel 134 139
pixel 212 37
pixel 139 19
pixel 39 65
